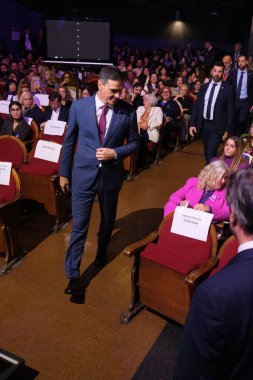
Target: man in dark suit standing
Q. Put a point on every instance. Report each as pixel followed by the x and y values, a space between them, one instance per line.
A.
pixel 212 113
pixel 228 69
pixel 210 55
pixel 218 333
pixel 242 82
pixel 100 125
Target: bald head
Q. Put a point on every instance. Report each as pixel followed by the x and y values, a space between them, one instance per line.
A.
pixel 227 62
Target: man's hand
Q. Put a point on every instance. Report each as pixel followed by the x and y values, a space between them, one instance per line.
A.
pixel 64 183
pixel 225 136
pixel 192 131
pixel 105 154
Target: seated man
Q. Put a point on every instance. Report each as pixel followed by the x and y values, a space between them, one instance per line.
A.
pixel 55 110
pixel 205 193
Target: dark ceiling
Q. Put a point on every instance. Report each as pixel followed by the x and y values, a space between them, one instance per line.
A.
pixel 82 8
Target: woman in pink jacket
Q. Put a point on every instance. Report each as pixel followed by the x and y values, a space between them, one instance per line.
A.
pixel 205 193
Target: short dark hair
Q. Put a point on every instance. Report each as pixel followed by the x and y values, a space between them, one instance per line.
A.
pixel 240 198
pixel 53 96
pixel 218 63
pixel 110 73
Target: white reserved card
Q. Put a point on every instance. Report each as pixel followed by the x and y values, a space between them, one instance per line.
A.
pixel 5 173
pixel 55 127
pixel 191 223
pixel 48 150
pixel 4 106
pixel 41 99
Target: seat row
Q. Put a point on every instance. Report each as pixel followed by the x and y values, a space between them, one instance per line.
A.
pixel 168 268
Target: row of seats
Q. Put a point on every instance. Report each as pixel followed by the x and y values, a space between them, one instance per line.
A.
pixel 168 267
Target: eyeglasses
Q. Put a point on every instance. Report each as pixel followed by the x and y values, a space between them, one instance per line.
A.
pixel 15 109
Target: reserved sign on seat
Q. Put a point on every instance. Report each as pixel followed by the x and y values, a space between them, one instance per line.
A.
pixel 48 150
pixel 55 127
pixel 191 223
pixel 4 106
pixel 5 173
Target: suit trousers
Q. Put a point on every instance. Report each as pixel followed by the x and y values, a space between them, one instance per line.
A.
pixel 241 116
pixel 211 140
pixel 82 202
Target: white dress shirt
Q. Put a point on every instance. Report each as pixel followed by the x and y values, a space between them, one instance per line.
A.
pixel 244 246
pixel 99 104
pixel 216 91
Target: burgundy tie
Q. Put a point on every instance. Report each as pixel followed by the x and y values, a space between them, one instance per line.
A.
pixel 102 123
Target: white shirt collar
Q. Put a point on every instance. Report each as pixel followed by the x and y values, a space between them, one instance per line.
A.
pixel 98 102
pixel 218 83
pixel 244 246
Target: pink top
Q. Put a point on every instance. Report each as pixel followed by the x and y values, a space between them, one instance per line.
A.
pixel 189 192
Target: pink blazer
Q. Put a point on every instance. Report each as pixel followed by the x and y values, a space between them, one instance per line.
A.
pixel 189 192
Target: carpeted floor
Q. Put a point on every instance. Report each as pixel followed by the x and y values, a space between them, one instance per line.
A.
pixel 63 340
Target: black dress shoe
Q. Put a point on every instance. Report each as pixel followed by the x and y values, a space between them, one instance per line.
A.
pixel 100 260
pixel 73 287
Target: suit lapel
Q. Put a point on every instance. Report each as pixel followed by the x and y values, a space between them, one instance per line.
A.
pixel 115 121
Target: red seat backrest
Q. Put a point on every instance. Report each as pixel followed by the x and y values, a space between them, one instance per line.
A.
pixel 12 150
pixel 40 166
pixel 227 251
pixel 8 192
pixel 178 252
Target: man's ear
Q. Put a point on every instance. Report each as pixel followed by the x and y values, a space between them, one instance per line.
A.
pixel 232 219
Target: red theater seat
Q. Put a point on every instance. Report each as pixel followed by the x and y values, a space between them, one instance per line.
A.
pixel 10 198
pixel 167 268
pixel 12 150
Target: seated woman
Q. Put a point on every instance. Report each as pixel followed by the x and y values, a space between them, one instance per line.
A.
pixel 171 110
pixel 66 98
pixel 10 93
pixel 16 125
pixel 247 140
pixel 150 119
pixel 205 193
pixel 30 109
pixel 233 154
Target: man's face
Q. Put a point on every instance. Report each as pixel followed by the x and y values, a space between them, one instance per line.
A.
pixel 109 92
pixel 238 47
pixel 55 104
pixel 217 73
pixel 242 63
pixel 227 62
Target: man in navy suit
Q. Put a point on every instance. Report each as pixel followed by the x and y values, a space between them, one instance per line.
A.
pixel 98 164
pixel 213 112
pixel 217 341
pixel 243 93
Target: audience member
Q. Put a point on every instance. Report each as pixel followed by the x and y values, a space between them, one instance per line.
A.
pixel 233 154
pixel 218 333
pixel 150 119
pixel 205 193
pixel 30 109
pixel 15 125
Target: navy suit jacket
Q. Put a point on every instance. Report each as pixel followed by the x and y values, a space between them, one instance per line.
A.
pixel 223 114
pixel 63 115
pixel 232 80
pixel 122 136
pixel 217 342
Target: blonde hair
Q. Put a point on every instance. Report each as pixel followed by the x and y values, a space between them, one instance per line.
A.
pixel 209 175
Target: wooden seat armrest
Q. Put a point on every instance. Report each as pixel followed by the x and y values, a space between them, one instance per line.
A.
pixel 199 274
pixel 138 246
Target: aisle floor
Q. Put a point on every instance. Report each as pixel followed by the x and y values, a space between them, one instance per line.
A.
pixel 62 340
